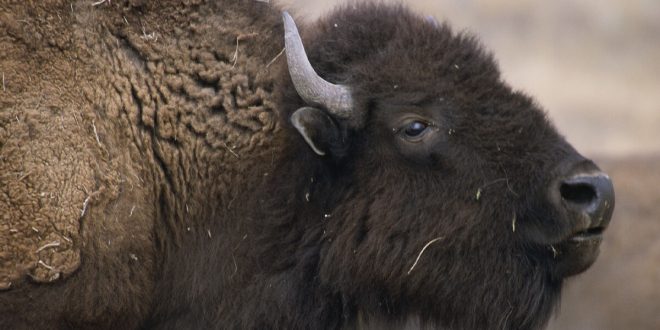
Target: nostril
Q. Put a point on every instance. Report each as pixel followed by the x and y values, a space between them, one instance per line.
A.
pixel 580 193
pixel 584 196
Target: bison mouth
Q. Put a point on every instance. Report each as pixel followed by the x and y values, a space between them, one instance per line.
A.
pixel 595 233
pixel 577 252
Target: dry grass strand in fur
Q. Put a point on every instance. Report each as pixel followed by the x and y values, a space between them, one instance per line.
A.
pixel 96 134
pixel 422 251
pixel 48 245
pixel 98 3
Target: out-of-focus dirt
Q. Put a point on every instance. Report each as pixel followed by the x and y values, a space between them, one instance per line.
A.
pixel 594 65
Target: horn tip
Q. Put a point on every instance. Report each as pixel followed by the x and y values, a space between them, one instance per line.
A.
pixel 290 28
pixel 286 16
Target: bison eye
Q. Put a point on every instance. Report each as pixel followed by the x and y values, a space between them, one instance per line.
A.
pixel 415 129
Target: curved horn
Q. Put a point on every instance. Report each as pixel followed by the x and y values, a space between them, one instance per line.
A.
pixel 313 89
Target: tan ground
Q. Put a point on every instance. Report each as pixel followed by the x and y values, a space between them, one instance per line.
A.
pixel 594 65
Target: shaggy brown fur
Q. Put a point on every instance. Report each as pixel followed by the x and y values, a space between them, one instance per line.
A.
pixel 149 174
pixel 111 117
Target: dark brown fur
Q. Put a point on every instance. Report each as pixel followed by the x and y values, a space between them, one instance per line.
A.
pixel 168 124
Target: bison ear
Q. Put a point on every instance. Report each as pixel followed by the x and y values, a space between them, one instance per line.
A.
pixel 318 129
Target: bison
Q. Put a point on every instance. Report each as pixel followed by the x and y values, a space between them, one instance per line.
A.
pixel 196 164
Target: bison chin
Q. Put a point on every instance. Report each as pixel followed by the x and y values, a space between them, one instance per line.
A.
pixel 576 254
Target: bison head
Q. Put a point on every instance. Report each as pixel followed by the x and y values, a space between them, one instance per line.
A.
pixel 448 195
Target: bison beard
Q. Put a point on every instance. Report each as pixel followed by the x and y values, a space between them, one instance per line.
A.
pixel 394 182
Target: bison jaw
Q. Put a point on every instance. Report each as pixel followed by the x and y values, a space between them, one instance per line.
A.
pixel 576 254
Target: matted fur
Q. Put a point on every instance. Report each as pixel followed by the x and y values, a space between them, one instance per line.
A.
pixel 154 136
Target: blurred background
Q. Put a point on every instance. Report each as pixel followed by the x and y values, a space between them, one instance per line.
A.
pixel 594 66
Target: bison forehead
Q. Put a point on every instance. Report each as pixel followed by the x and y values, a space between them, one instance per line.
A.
pixel 405 53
